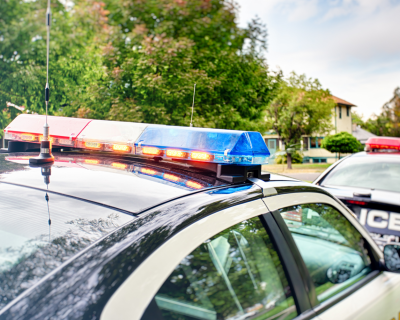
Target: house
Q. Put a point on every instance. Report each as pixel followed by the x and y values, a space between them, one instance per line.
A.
pixel 361 135
pixel 311 146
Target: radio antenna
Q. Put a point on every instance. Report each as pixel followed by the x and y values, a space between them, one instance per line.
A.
pixel 191 118
pixel 45 155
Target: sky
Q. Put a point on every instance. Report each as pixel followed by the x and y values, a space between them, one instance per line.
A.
pixel 351 46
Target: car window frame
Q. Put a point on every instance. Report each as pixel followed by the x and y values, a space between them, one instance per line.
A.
pixel 284 200
pixel 143 292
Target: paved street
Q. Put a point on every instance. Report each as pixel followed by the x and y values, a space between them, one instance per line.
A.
pixel 309 176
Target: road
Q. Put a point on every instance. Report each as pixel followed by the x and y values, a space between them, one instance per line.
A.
pixel 309 177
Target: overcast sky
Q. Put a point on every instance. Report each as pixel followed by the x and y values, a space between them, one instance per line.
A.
pixel 351 46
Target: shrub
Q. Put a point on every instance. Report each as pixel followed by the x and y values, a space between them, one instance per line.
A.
pixel 296 158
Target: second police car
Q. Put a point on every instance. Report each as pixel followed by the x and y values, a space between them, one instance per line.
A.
pixel 369 184
pixel 137 221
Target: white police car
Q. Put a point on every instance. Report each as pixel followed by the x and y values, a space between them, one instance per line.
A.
pixel 369 184
pixel 137 221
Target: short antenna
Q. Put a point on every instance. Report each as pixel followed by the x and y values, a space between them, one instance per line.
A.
pixel 191 118
pixel 45 155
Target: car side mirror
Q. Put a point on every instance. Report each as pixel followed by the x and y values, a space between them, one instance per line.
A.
pixel 391 253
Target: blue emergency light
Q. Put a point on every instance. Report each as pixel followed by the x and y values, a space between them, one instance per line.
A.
pixel 206 145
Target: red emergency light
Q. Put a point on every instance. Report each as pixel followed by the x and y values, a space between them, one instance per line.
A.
pixel 380 144
pixel 29 128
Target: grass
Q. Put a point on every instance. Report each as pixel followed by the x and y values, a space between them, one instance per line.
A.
pixel 312 166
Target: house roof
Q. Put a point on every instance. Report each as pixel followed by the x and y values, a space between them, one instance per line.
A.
pixel 361 134
pixel 341 101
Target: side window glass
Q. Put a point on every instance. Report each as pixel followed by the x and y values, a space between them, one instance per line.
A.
pixel 332 249
pixel 234 275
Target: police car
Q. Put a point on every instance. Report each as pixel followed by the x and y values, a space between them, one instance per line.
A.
pixel 369 184
pixel 138 221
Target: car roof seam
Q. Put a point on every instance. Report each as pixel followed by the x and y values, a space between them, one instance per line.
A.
pixel 74 197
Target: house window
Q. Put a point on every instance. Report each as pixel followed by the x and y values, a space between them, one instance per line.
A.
pixel 272 145
pixel 305 143
pixel 340 112
pixel 313 142
pixel 316 142
pixel 348 111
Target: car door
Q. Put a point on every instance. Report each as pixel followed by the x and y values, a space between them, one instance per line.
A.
pixel 224 266
pixel 337 254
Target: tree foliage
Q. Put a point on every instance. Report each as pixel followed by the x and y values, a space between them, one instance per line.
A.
pixel 301 107
pixel 387 123
pixel 75 35
pixel 342 142
pixel 157 50
pixel 137 61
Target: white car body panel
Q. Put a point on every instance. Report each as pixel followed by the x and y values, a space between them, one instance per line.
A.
pixel 377 300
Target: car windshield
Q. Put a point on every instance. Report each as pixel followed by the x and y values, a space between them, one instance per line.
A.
pixel 39 231
pixel 371 172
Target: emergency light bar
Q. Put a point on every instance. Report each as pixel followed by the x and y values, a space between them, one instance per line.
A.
pixel 147 140
pixel 388 144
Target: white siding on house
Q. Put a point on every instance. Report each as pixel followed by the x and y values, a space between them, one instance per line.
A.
pixel 343 123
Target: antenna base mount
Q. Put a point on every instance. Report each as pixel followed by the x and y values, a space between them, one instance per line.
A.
pixel 45 155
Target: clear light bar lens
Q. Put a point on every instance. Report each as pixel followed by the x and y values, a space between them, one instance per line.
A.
pixel 176 153
pixel 121 147
pixel 204 156
pixel 151 151
pixel 92 145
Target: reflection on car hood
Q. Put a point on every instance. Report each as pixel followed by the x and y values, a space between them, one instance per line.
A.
pixel 128 185
pixel 39 231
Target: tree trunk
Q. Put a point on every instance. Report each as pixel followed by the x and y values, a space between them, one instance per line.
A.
pixel 289 160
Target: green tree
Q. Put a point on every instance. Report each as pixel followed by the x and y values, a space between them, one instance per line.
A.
pixel 137 61
pixel 158 49
pixel 357 119
pixel 387 123
pixel 301 107
pixel 342 142
pixel 75 61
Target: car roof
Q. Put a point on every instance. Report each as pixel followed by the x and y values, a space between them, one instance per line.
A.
pixel 128 184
